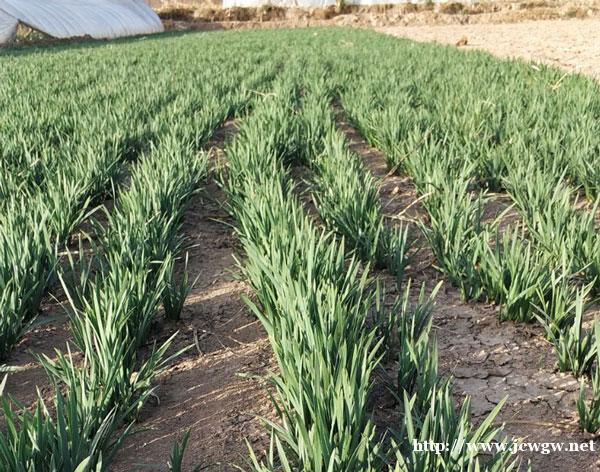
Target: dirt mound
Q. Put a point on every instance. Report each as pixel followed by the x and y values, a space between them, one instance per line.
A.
pixel 193 13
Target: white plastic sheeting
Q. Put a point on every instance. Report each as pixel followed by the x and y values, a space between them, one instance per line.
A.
pixel 75 18
pixel 8 27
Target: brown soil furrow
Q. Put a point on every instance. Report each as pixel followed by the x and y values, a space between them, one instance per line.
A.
pixel 213 388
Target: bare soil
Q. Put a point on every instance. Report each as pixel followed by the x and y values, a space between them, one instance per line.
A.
pixel 573 45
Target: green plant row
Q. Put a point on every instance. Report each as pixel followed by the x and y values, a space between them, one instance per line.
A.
pixel 452 153
pixel 116 282
pixel 80 158
pixel 456 123
pixel 550 208
pixel 344 191
pixel 73 171
pixel 114 297
pixel 32 230
pixel 491 113
pixel 314 304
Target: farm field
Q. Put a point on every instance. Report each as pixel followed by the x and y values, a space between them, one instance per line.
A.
pixel 309 248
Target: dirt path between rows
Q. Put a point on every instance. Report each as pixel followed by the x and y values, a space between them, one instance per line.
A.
pixel 214 389
pixel 573 45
